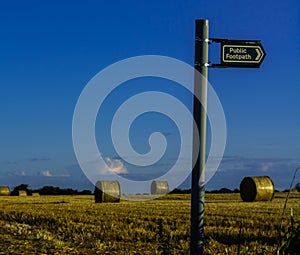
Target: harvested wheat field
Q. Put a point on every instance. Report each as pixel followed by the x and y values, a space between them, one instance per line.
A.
pixel 78 225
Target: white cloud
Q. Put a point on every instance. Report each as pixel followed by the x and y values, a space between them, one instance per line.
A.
pixel 18 173
pixel 46 173
pixel 23 173
pixel 115 165
pixel 96 168
pixel 266 166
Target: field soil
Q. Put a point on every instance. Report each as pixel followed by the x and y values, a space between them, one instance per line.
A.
pixel 76 225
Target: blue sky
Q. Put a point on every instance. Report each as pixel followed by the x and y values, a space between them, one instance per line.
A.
pixel 49 50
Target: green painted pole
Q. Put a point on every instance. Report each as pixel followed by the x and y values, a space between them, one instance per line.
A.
pixel 198 173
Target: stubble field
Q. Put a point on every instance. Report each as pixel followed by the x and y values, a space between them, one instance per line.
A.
pixel 76 225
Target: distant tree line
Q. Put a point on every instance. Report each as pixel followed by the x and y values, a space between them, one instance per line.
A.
pixel 180 191
pixel 222 190
pixel 51 190
pixel 188 191
pixel 48 190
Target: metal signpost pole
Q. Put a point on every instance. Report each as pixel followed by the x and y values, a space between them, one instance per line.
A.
pixel 198 173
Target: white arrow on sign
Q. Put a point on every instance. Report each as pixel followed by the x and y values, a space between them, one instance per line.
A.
pixel 258 54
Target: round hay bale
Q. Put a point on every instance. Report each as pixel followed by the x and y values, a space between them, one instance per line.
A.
pixel 257 188
pixel 107 191
pixel 159 187
pixel 22 193
pixel 35 194
pixel 4 191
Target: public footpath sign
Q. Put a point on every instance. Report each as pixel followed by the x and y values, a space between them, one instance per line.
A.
pixel 237 53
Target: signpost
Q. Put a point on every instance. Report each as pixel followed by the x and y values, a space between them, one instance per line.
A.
pixel 234 53
pixel 198 173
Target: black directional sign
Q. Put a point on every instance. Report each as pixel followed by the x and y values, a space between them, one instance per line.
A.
pixel 237 53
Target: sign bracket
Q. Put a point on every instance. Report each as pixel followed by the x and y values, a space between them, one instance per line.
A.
pixel 225 40
pixel 218 66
